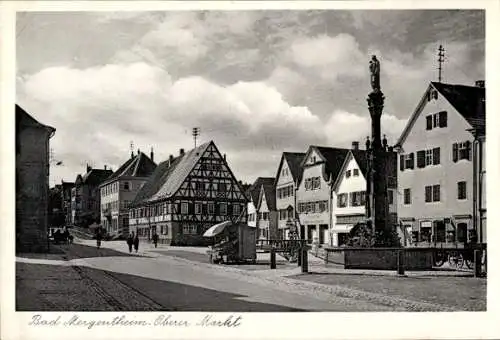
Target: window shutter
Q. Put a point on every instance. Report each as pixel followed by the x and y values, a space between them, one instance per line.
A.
pixel 428 194
pixel 421 159
pixel 443 119
pixel 468 145
pixel 429 122
pixel 436 156
pixel 455 152
pixel 412 160
pixel 402 162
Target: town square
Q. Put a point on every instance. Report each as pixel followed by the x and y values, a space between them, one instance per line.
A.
pixel 249 161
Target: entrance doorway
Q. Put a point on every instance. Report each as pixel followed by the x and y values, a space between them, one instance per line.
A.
pixel 323 230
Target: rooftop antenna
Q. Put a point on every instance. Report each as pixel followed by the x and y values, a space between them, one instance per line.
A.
pixel 440 61
pixel 196 133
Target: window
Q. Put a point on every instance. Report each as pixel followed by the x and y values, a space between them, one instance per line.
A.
pixel 282 214
pixel 406 161
pixel 265 216
pixel 184 208
pixel 433 193
pixel 428 193
pixel 222 209
pixel 428 157
pixel 348 173
pixel 197 208
pixel 236 209
pixel 126 186
pixel 461 151
pixel 407 196
pixel 342 201
pixel 189 229
pixel 462 190
pixel 199 186
pixel 355 172
pixel 436 120
pixel 357 198
pixel 436 193
pixel 211 208
pixel 222 187
pixel 316 183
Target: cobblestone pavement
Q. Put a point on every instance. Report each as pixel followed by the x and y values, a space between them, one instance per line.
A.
pixel 165 278
pixel 460 293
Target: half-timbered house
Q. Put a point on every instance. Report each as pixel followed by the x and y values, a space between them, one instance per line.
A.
pixel 186 195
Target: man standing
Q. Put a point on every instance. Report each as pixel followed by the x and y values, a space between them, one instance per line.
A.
pixel 155 239
pixel 136 242
pixel 130 241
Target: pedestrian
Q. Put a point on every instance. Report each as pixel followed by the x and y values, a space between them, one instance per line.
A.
pixel 155 239
pixel 136 243
pixel 130 241
pixel 98 237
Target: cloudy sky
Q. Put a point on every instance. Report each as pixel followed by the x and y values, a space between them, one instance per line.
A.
pixel 256 82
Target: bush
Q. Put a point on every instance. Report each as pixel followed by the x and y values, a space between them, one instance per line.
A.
pixel 362 235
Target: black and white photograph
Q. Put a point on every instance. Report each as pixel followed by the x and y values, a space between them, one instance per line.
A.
pixel 245 160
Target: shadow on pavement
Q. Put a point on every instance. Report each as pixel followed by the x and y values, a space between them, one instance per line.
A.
pixel 56 288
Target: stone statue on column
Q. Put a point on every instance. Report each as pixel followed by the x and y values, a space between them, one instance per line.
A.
pixel 375 73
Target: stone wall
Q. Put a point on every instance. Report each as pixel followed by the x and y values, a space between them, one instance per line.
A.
pixel 386 258
pixel 32 170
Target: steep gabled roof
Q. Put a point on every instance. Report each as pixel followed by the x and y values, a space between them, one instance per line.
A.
pixel 294 159
pixel 334 158
pixel 138 166
pixel 361 158
pixel 168 176
pixel 96 176
pixel 469 101
pixel 268 189
pixel 254 191
pixel 24 119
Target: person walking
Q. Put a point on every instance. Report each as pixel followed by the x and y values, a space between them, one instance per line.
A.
pixel 130 241
pixel 136 242
pixel 98 237
pixel 155 239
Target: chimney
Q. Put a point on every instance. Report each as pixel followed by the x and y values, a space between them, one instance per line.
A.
pixel 355 145
pixel 105 166
pixel 152 154
pixel 181 152
pixel 224 157
pixel 480 83
pixel 88 167
pixel 170 160
pixel 138 152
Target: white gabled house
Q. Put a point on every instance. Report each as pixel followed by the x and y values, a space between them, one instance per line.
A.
pixel 349 196
pixel 438 193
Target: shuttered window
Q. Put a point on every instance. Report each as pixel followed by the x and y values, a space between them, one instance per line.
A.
pixel 443 119
pixel 421 159
pixel 428 122
pixel 436 156
pixel 462 190
pixel 462 151
pixel 428 193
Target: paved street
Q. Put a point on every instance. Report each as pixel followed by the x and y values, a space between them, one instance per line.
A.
pixel 84 278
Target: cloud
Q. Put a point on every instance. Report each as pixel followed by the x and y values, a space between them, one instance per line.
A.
pixel 330 57
pixel 344 127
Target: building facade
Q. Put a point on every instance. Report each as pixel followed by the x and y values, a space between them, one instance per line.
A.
pixel 185 196
pixel 267 216
pixel 435 166
pixel 287 179
pixel 349 195
pixel 32 182
pixel 86 198
pixel 321 166
pixel 66 188
pixel 120 189
pixel 253 194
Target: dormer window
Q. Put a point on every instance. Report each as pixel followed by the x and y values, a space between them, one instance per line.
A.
pixel 348 173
